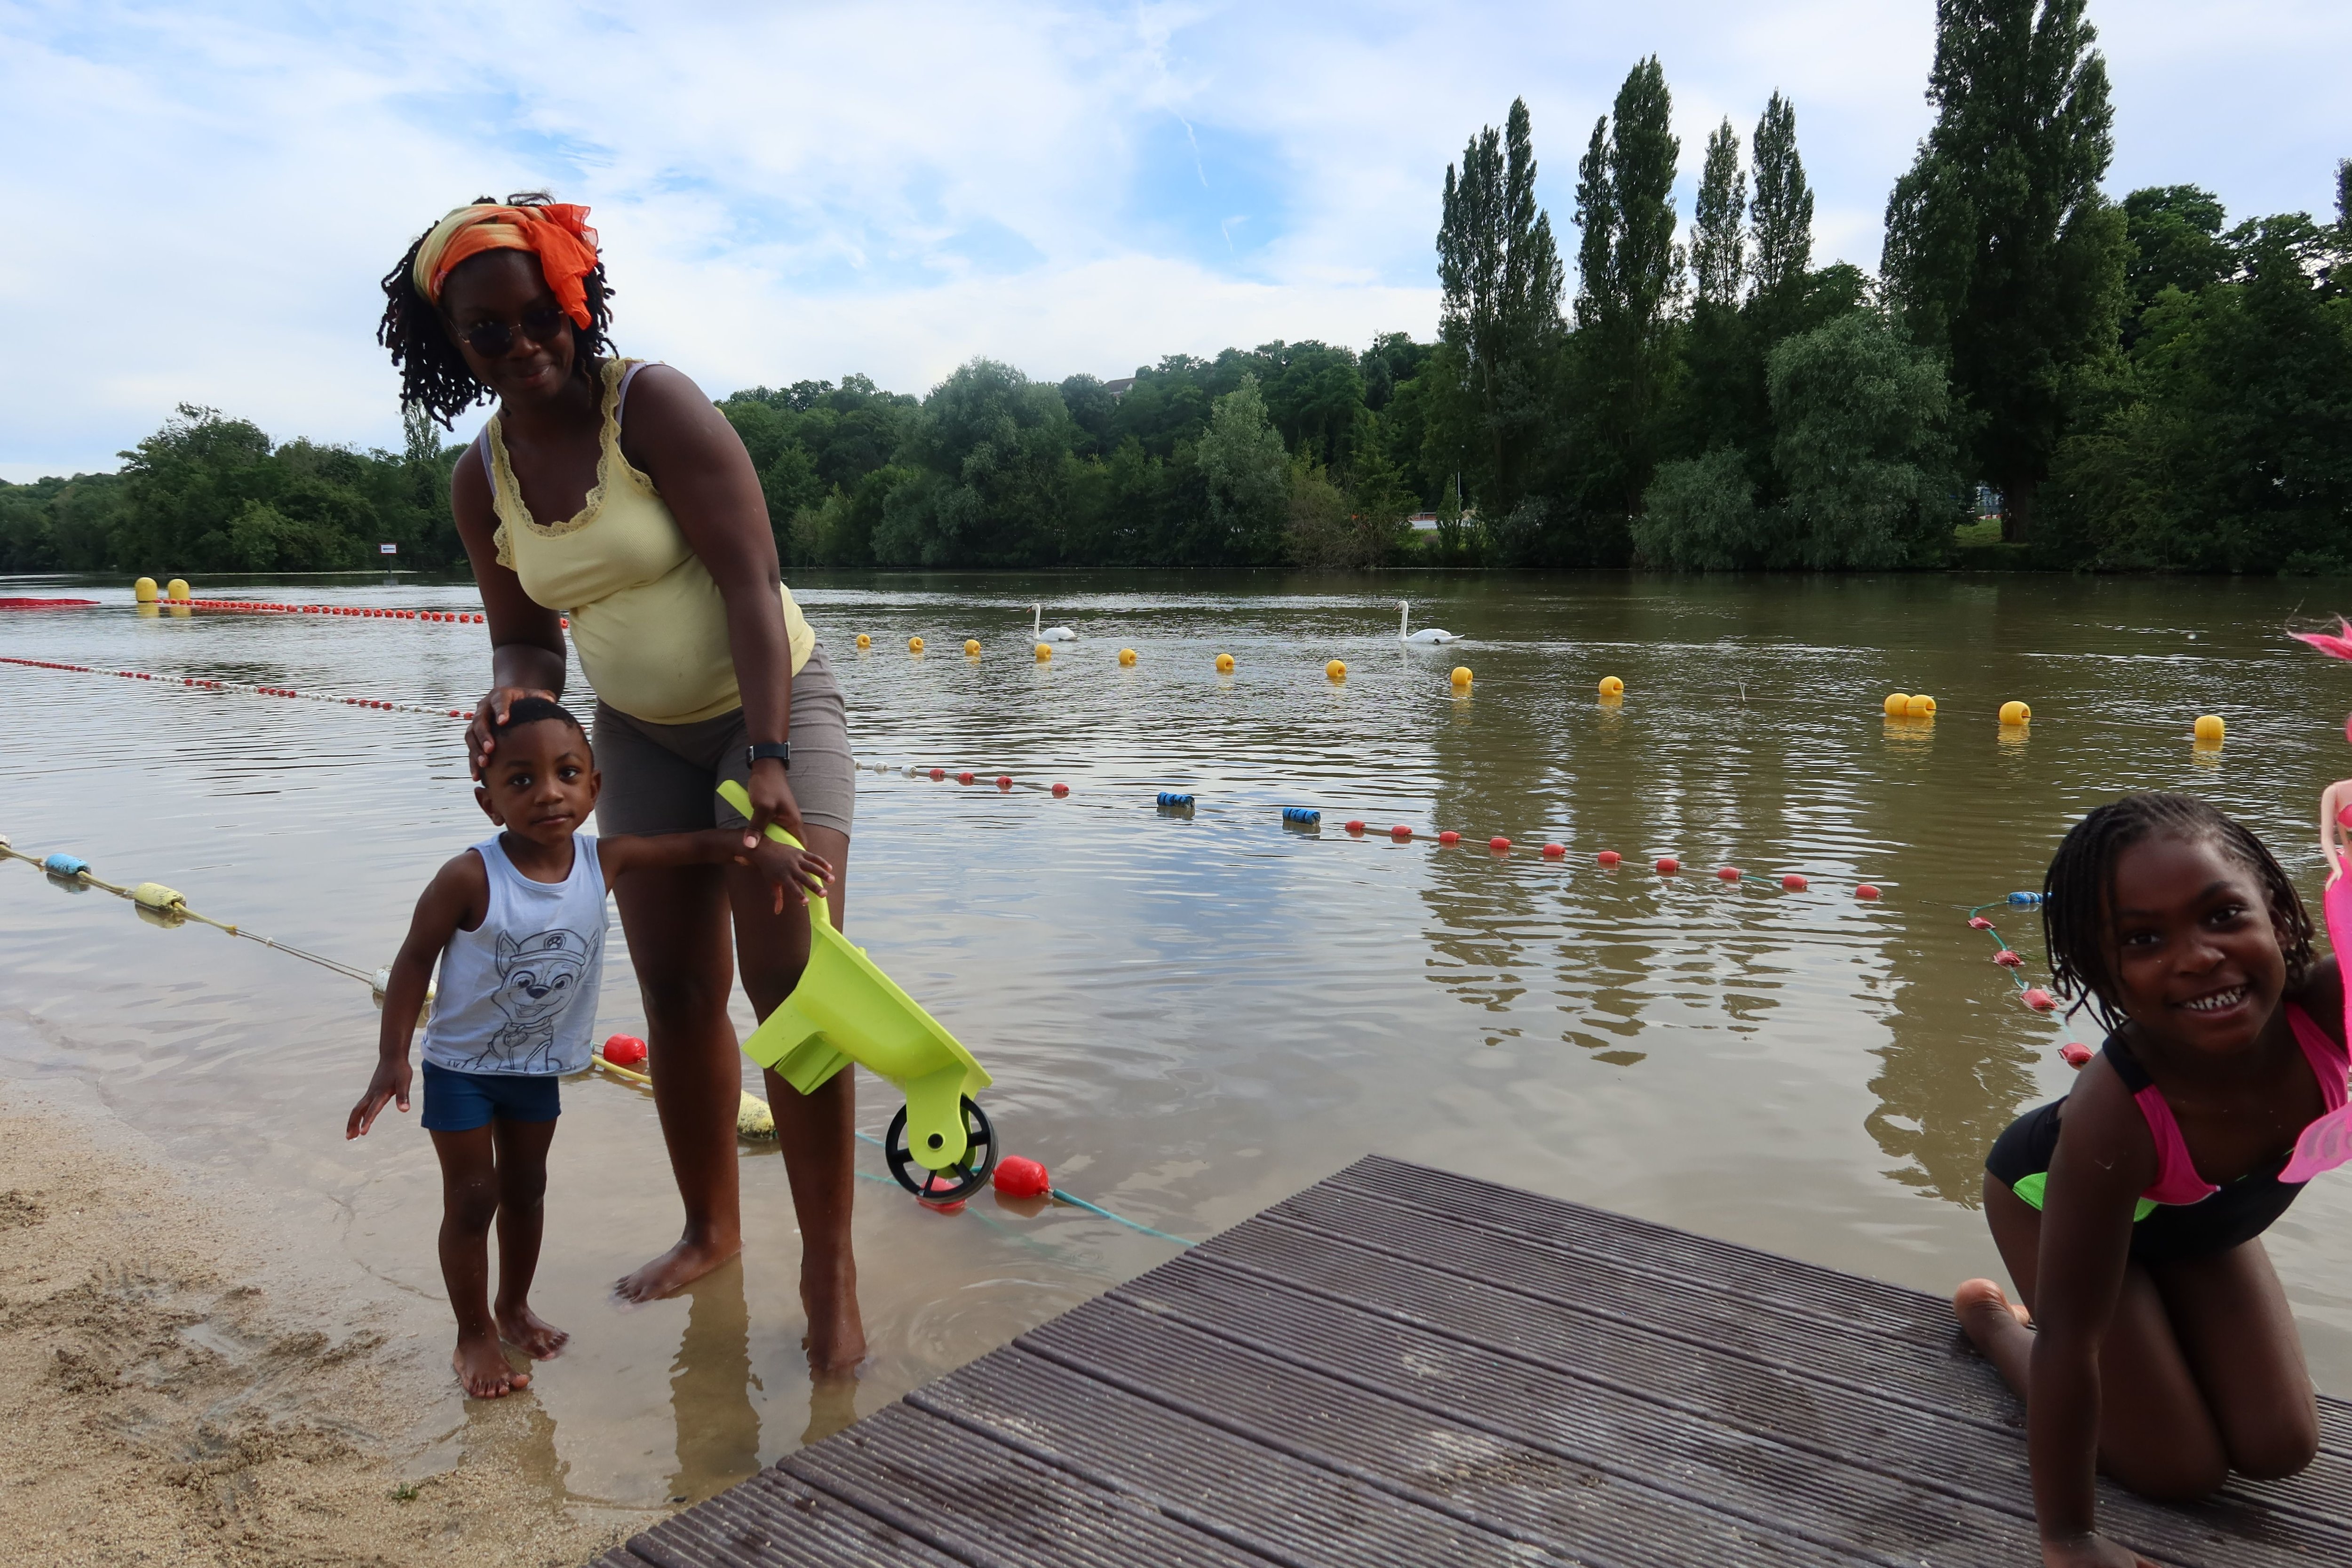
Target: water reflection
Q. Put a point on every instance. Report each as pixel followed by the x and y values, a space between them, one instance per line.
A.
pixel 710 1386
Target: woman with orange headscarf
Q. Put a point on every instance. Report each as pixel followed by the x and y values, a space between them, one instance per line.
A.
pixel 612 491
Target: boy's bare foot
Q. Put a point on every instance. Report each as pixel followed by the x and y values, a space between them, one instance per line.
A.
pixel 681 1265
pixel 480 1365
pixel 835 1341
pixel 1987 1314
pixel 531 1333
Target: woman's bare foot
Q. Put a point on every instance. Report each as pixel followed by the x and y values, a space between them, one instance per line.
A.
pixel 682 1265
pixel 531 1333
pixel 835 1341
pixel 1982 1305
pixel 480 1363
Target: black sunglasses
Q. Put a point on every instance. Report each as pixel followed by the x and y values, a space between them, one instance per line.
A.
pixel 541 323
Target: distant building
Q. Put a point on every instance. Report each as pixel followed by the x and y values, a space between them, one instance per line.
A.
pixel 1424 521
pixel 1119 389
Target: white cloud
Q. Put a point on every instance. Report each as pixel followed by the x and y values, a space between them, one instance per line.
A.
pixel 205 198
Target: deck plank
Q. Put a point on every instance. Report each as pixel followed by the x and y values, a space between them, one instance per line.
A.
pixel 1402 1365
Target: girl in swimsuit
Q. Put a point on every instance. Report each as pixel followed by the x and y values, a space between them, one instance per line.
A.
pixel 2153 1340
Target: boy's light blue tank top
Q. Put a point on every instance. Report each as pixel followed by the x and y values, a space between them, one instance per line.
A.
pixel 518 994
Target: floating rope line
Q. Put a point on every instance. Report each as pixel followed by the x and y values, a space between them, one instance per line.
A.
pixel 272 607
pixel 166 905
pixel 2072 1053
pixel 1058 1196
pixel 203 684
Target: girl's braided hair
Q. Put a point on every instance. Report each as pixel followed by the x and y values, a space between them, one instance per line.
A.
pixel 2078 892
pixel 432 373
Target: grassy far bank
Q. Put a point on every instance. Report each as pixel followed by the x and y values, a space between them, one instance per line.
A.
pixel 2139 386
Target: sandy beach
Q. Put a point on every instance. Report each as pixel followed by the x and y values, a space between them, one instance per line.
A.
pixel 173 1390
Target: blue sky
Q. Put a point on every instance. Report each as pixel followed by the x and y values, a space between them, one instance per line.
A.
pixel 204 197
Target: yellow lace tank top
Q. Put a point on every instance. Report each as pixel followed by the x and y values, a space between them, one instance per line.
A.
pixel 647 619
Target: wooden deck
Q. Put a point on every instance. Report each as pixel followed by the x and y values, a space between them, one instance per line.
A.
pixel 1399 1366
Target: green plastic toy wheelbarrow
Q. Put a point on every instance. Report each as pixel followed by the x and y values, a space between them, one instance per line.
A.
pixel 941 1146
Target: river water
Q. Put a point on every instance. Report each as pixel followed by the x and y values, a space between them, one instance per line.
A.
pixel 1190 1016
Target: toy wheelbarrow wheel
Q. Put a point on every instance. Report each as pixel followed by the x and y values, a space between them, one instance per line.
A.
pixel 957 1182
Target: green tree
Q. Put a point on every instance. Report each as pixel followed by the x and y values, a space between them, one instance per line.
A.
pixel 1246 475
pixel 1862 418
pixel 1718 247
pixel 1500 317
pixel 2000 251
pixel 1700 514
pixel 990 444
pixel 1629 282
pixel 2176 242
pixel 1782 216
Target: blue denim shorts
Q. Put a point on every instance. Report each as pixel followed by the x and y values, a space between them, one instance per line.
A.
pixel 460 1101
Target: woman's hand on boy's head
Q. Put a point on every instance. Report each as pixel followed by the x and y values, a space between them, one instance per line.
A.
pixel 389 1084
pixel 489 713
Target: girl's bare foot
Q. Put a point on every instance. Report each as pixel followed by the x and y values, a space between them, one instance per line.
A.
pixel 1980 1304
pixel 531 1333
pixel 482 1366
pixel 835 1341
pixel 682 1265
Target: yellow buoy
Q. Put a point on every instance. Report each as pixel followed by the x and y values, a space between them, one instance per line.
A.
pixel 1921 706
pixel 1612 687
pixel 972 647
pixel 143 590
pixel 1127 656
pixel 2016 713
pixel 913 645
pixel 2210 729
pixel 865 640
pixel 1898 703
pixel 1336 670
pixel 1461 675
pixel 1224 663
pixel 177 590
pixel 1044 651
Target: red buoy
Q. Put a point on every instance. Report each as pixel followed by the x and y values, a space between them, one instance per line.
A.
pixel 1399 832
pixel 2074 1054
pixel 1555 851
pixel 963 778
pixel 1061 789
pixel 1355 824
pixel 1865 891
pixel 1728 873
pixel 1668 865
pixel 1017 1177
pixel 1977 922
pixel 2008 957
pixel 1004 781
pixel 1500 845
pixel 1793 883
pixel 2038 999
pixel 939 772
pixel 1609 857
pixel 1449 837
pixel 624 1050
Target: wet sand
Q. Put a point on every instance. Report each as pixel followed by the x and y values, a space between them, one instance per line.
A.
pixel 176 1387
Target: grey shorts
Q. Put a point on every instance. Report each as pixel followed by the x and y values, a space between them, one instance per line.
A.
pixel 664 778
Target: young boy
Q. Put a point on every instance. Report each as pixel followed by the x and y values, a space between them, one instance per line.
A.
pixel 517 925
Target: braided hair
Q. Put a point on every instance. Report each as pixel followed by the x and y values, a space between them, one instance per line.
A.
pixel 2078 892
pixel 433 373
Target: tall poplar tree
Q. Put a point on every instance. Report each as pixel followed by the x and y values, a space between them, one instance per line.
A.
pixel 1629 277
pixel 1718 247
pixel 1500 315
pixel 1783 214
pixel 2001 253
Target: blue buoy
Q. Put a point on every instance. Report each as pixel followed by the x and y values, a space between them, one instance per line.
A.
pixel 1304 815
pixel 64 865
pixel 1172 801
pixel 2025 900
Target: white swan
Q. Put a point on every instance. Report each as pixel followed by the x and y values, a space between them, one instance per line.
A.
pixel 1426 634
pixel 1044 633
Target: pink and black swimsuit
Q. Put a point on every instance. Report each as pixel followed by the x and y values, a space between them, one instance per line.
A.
pixel 2181 1214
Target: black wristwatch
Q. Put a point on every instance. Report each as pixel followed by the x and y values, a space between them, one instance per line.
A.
pixel 780 751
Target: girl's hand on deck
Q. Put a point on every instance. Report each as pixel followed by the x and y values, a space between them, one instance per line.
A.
pixel 2090 1552
pixel 389 1083
pixel 492 711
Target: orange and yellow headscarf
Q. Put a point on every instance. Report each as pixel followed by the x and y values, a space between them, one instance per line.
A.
pixel 558 235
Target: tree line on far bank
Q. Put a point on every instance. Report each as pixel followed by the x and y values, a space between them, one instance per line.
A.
pixel 2131 385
